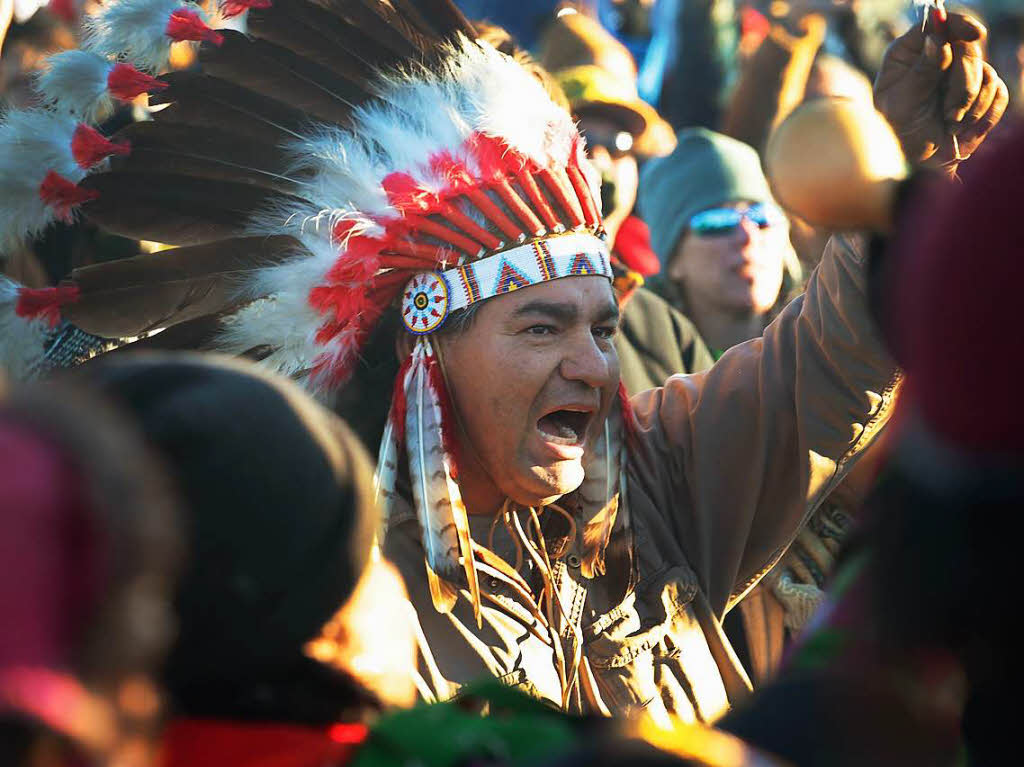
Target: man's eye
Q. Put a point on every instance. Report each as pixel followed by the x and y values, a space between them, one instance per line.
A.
pixel 606 332
pixel 540 330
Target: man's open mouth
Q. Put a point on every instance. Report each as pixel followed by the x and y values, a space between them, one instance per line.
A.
pixel 567 426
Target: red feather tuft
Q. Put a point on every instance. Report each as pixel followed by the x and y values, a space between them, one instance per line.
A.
pixel 495 158
pixel 231 8
pixel 455 173
pixel 184 24
pixel 342 229
pixel 344 303
pixel 90 147
pixel 334 369
pixel 125 82
pixel 353 269
pixel 407 195
pixel 63 195
pixel 45 303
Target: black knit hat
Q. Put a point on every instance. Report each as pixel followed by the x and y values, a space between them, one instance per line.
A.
pixel 280 515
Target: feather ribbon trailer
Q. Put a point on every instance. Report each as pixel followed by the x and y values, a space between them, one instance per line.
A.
pixel 443 514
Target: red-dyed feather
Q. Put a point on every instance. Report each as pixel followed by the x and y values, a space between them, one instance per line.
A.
pixel 125 82
pixel 63 195
pixel 90 147
pixel 184 24
pixel 406 194
pixel 455 173
pixel 45 303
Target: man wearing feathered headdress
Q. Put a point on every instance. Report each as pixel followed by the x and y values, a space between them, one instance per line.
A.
pixel 347 162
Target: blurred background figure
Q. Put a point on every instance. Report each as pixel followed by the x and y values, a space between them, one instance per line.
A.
pixel 291 636
pixel 724 244
pixel 89 545
pixel 597 75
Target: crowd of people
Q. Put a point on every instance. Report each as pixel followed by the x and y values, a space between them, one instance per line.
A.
pixel 681 330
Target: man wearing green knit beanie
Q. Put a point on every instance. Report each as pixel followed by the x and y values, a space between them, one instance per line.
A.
pixel 722 242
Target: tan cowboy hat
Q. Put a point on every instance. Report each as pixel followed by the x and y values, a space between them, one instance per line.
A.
pixel 598 75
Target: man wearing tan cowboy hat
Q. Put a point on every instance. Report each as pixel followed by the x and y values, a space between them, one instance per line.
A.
pixel 598 76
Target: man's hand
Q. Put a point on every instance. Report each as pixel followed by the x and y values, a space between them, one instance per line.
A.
pixel 935 84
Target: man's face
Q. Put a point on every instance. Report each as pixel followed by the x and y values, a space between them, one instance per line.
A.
pixel 532 378
pixel 738 271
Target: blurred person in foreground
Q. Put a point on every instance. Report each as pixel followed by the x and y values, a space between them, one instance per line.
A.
pixel 90 548
pixel 291 637
pixel 727 262
pixel 552 533
pixel 911 661
pixel 597 74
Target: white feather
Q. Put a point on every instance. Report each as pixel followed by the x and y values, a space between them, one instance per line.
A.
pixel 21 339
pixel 385 475
pixel 32 142
pixel 282 318
pixel 134 30
pixel 75 82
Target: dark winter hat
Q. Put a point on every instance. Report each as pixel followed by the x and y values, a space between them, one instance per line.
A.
pixel 958 274
pixel 279 519
pixel 706 169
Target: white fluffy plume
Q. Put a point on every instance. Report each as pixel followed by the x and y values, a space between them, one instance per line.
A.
pixel 284 321
pixel 32 143
pixel 75 82
pixel 135 30
pixel 419 113
pixel 21 339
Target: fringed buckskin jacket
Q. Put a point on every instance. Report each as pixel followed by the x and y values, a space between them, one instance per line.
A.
pixel 726 467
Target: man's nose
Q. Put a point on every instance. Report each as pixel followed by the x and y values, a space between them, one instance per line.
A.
pixel 587 363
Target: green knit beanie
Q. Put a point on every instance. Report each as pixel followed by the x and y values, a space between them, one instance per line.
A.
pixel 706 169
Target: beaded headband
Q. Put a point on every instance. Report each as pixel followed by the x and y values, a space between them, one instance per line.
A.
pixel 430 297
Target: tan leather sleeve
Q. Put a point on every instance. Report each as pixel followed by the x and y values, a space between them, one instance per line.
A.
pixel 739 456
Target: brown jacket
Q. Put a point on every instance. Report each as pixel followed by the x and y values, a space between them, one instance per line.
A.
pixel 730 463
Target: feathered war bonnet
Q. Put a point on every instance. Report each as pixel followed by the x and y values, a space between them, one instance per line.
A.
pixel 342 159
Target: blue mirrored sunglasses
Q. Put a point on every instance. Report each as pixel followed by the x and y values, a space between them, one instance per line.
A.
pixel 719 221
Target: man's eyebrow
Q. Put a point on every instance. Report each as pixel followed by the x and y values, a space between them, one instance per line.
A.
pixel 557 310
pixel 609 312
pixel 566 313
